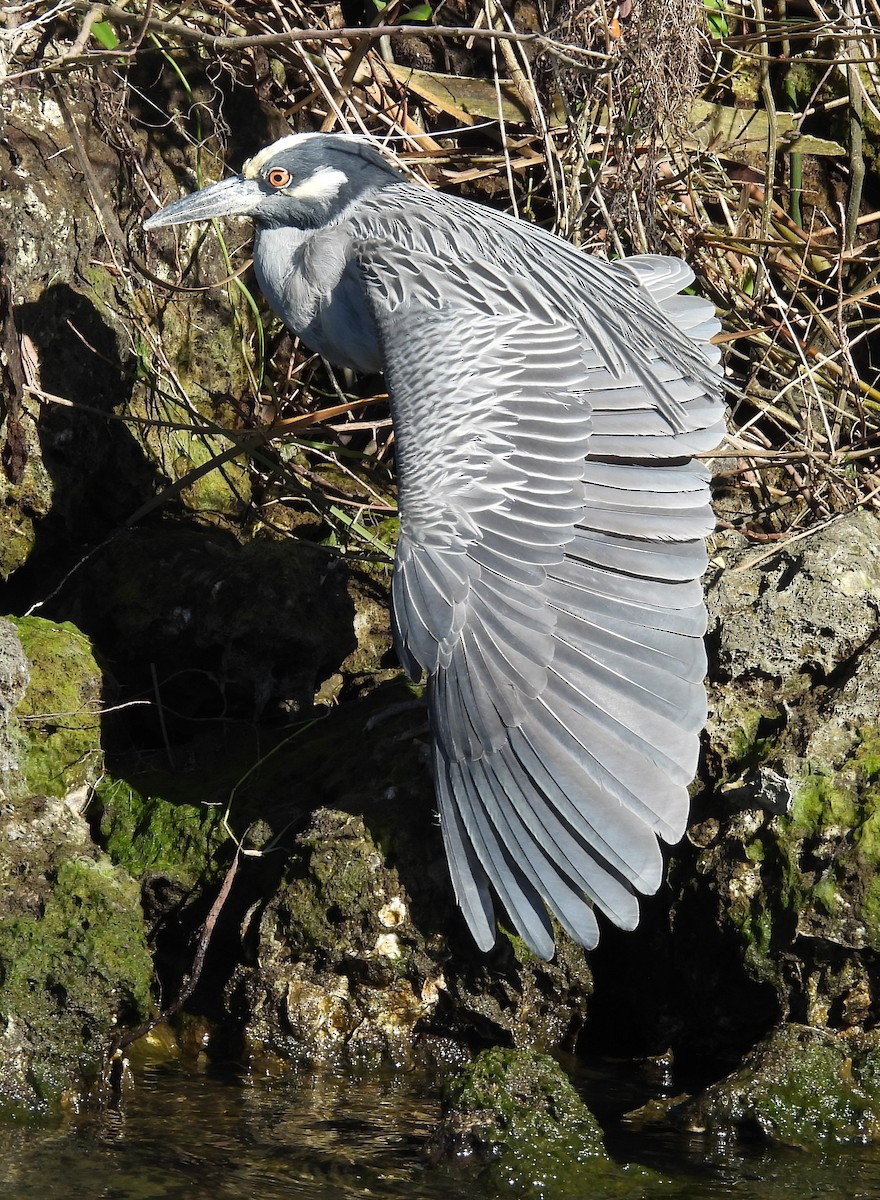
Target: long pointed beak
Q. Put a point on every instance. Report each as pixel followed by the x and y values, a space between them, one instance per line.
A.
pixel 228 198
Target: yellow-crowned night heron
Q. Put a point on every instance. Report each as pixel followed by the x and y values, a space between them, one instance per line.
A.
pixel 546 408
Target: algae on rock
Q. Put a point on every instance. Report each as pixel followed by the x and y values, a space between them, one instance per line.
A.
pixel 519 1113
pixel 59 715
pixel 150 835
pixel 799 1086
pixel 74 961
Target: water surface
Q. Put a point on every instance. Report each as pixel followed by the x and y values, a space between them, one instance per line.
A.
pixel 334 1135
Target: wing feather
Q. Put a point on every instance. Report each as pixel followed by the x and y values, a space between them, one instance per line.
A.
pixel 469 880
pixel 520 898
pixel 551 546
pixel 567 847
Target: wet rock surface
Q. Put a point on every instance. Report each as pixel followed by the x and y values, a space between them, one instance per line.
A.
pixel 519 1116
pixel 799 1086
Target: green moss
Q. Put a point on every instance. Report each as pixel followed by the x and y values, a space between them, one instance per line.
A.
pixel 334 883
pixel 208 350
pixel 343 867
pixel 520 1110
pixel 59 716
pixel 871 908
pixel 867 834
pixel 218 490
pixel 17 533
pixel 846 800
pixel 521 950
pixel 866 1067
pixel 746 746
pixel 819 863
pixel 306 922
pixel 867 755
pixel 744 732
pixel 799 1086
pixel 147 833
pixel 821 803
pixel 826 893
pixel 756 928
pixel 74 971
pixel 100 285
pixel 756 851
pixel 207 345
pixel 180 454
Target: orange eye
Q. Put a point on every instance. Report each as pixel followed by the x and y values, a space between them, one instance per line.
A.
pixel 278 177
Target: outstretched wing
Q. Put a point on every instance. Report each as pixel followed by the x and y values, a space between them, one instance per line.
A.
pixel 547 580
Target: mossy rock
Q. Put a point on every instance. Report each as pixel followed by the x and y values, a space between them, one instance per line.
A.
pixel 74 961
pixel 14 678
pixel 360 947
pixel 342 966
pixel 779 891
pixel 818 865
pixel 59 717
pixel 800 1086
pixel 830 842
pixel 148 834
pixel 519 1114
pixel 796 891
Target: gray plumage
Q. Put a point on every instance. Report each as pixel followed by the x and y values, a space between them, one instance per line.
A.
pixel 546 406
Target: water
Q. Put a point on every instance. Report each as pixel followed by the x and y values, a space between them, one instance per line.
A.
pixel 339 1136
pixel 211 1134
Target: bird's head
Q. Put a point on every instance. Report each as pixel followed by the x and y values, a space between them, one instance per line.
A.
pixel 305 180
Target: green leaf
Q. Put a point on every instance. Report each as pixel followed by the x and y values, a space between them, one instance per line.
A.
pixel 103 32
pixel 716 17
pixel 421 12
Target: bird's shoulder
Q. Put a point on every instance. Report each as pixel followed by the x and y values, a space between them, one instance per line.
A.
pixel 416 217
pixel 408 219
pixel 425 250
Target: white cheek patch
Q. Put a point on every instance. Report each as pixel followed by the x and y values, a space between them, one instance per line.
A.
pixel 325 184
